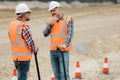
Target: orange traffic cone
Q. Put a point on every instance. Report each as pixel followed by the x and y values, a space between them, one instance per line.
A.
pixel 14 76
pixel 105 66
pixel 52 78
pixel 78 71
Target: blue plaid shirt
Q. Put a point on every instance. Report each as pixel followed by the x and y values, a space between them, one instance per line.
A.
pixel 48 28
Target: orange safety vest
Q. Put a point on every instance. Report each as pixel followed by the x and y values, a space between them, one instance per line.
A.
pixel 20 51
pixel 59 33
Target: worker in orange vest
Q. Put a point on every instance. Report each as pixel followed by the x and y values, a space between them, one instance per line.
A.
pixel 21 40
pixel 60 28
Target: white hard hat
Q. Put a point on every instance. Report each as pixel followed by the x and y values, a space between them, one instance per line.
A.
pixel 21 8
pixel 53 4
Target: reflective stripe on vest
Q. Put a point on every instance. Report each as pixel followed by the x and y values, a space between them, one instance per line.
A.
pixel 53 44
pixel 59 35
pixel 21 54
pixel 18 44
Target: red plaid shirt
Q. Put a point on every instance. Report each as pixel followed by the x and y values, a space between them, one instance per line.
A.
pixel 27 35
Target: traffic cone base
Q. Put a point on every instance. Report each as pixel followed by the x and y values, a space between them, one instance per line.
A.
pixel 78 75
pixel 106 73
pixel 105 70
pixel 77 78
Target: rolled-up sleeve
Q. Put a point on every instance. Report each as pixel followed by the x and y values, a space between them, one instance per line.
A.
pixel 47 30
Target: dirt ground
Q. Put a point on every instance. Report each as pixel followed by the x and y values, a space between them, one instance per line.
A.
pixel 96 36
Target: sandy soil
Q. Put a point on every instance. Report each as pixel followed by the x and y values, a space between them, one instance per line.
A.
pixel 96 36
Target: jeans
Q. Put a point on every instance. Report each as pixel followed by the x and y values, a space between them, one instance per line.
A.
pixel 57 64
pixel 22 68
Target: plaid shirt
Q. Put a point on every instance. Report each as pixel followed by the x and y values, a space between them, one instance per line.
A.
pixel 27 36
pixel 47 31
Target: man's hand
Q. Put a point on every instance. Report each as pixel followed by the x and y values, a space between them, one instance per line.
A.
pixel 62 47
pixel 36 50
pixel 53 20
